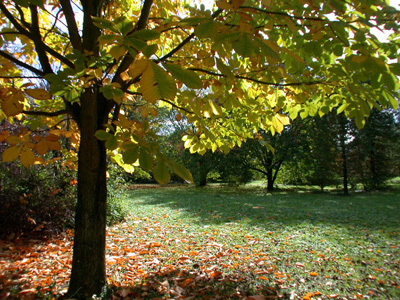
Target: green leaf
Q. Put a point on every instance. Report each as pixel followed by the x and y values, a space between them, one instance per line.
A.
pixel 224 68
pixel 23 3
pixel 189 78
pixel 102 135
pixel 340 30
pixel 145 159
pixel 245 46
pixel 150 50
pixel 192 21
pixel 107 39
pixel 161 173
pixel 105 24
pixel 112 143
pixel 181 171
pixel 395 68
pixel 124 25
pixel 157 84
pixel 135 43
pixel 205 30
pixel 147 34
pixel 392 100
pixel 131 155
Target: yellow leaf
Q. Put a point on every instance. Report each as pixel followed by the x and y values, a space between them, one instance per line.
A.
pixel 38 94
pixel 137 68
pixel 216 109
pixel 3 135
pixel 358 58
pixel 223 4
pixel 11 153
pixel 52 137
pixel 157 84
pixel 283 119
pixel 27 157
pixel 13 140
pixel 53 145
pixel 144 113
pixel 124 76
pixel 41 147
pixel 291 24
pixel 13 104
pixel 237 3
pixel 117 52
pixel 153 111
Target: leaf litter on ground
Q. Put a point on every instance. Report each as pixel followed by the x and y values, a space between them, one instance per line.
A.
pixel 224 244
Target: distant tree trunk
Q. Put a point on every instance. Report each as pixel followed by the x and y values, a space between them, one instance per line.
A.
pixel 203 172
pixel 270 184
pixel 343 146
pixel 88 274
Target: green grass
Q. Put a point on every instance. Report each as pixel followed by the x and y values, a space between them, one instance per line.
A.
pixel 229 243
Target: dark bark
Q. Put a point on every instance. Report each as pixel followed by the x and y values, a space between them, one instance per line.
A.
pixel 343 146
pixel 203 177
pixel 88 274
pixel 270 178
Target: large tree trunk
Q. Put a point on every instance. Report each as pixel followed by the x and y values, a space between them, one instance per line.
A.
pixel 88 274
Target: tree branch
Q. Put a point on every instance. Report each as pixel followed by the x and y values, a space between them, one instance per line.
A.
pixel 21 77
pixel 259 81
pixel 45 113
pixel 144 15
pixel 185 41
pixel 177 106
pixel 69 15
pixel 258 170
pixel 22 64
pixel 128 59
pixel 44 60
pixel 284 14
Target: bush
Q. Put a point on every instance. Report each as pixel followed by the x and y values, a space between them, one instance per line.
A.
pixel 36 198
pixel 43 198
pixel 116 187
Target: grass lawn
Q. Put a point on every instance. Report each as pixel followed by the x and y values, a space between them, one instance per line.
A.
pixel 233 243
pixel 229 243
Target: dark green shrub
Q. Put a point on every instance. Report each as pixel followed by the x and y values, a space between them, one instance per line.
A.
pixel 117 187
pixel 38 198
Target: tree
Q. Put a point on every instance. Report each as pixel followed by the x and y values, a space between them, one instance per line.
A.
pixel 75 68
pixel 268 153
pixel 374 152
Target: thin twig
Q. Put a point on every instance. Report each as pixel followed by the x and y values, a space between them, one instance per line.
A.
pixel 45 113
pixel 185 41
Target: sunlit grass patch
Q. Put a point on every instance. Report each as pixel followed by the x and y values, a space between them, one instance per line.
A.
pixel 243 242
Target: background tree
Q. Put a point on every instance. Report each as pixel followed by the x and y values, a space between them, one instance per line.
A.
pixel 268 153
pixel 374 152
pixel 243 66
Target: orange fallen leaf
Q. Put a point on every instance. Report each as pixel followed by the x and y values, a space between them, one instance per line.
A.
pixel 308 296
pixel 215 274
pixel 256 297
pixel 313 274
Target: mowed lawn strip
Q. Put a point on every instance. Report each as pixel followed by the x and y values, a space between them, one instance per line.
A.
pixel 234 243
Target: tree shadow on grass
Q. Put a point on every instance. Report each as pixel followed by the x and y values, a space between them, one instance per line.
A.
pixel 197 284
pixel 283 208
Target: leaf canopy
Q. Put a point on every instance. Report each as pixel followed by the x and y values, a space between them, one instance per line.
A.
pixel 229 70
